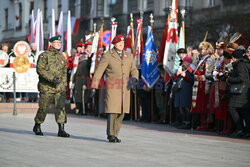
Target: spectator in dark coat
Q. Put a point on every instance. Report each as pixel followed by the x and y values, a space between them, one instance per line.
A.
pixel 239 103
pixel 183 96
pixel 80 80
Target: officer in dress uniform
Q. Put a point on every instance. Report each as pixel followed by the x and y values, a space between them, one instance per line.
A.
pixel 52 71
pixel 119 66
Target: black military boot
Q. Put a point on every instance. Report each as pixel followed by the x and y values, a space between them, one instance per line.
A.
pixel 117 140
pixel 37 130
pixel 61 132
pixel 112 139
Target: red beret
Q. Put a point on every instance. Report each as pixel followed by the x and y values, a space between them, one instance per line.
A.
pixel 79 45
pixel 117 39
pixel 88 43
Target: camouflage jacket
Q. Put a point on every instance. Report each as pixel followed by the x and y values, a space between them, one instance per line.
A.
pixel 51 64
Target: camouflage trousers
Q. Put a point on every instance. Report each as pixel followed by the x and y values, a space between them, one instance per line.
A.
pixel 44 102
pixel 114 123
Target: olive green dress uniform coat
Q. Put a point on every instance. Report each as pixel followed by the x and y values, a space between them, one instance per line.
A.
pixel 118 70
pixel 51 64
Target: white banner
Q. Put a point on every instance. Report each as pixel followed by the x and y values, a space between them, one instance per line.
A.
pixel 25 82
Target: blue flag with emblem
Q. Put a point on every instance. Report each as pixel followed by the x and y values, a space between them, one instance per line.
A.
pixel 149 70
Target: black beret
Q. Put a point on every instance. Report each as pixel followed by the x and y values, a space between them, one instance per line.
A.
pixel 181 50
pixel 58 37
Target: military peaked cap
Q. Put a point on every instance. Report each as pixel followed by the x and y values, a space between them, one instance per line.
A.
pixel 181 50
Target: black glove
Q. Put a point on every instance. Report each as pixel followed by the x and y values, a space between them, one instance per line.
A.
pixel 131 83
pixel 56 81
pixel 92 93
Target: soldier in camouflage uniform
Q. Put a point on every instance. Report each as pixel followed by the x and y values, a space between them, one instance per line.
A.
pixel 52 71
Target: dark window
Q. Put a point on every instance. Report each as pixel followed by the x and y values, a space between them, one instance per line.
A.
pixel 31 6
pixel 85 8
pixel 6 18
pixel 72 7
pixel 211 3
pixel 45 10
pixel 59 7
pixel 20 15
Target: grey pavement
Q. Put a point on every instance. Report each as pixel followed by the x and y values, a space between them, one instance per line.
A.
pixel 142 145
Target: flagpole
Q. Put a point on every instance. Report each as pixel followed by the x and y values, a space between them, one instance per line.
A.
pixel 152 90
pixel 183 23
pixel 132 51
pixel 132 32
pixel 99 90
pixel 94 28
pixel 113 30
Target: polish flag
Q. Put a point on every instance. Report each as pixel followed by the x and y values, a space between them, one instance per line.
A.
pixel 69 40
pixel 31 37
pixel 76 26
pixel 60 29
pixel 39 40
pixel 53 27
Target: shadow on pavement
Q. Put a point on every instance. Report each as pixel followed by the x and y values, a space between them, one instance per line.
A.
pixel 19 131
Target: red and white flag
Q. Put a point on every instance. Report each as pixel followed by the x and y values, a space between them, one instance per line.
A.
pixel 139 44
pixel 53 26
pixel 39 31
pixel 113 34
pixel 31 37
pixel 171 45
pixel 68 35
pixel 76 26
pixel 60 29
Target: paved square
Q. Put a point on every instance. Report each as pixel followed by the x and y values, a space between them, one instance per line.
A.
pixel 142 145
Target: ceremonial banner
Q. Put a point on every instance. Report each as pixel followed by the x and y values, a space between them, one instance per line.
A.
pixel 94 52
pixel 138 44
pixel 149 70
pixel 113 34
pixel 171 45
pixel 25 82
pixel 181 44
pixel 100 47
pixel 128 44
